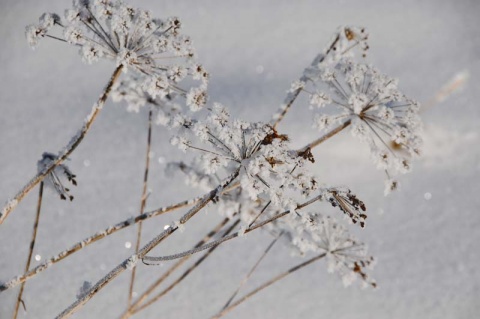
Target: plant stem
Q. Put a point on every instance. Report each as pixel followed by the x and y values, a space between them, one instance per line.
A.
pixel 128 222
pixel 143 202
pixel 326 136
pixel 66 151
pixel 30 252
pixel 75 306
pixel 266 284
pixel 172 268
pixel 91 239
pixel 292 96
pixel 250 273
pixel 229 237
pixel 185 274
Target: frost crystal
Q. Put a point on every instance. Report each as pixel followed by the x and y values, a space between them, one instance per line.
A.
pixel 58 176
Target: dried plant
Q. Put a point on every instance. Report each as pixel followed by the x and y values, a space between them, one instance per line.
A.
pixel 249 171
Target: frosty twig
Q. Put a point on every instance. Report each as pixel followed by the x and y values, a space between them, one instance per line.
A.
pixel 91 239
pixel 68 149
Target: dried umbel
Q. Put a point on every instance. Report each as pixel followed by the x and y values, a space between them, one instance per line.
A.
pixel 130 36
pixel 269 169
pixel 57 178
pixel 316 233
pixel 380 115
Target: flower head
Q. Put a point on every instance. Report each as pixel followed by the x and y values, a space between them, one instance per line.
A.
pixel 132 38
pixel 268 168
pixel 380 115
pixel 316 233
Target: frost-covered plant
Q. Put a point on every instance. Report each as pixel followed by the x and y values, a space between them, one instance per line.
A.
pixel 314 233
pixel 378 113
pixel 269 168
pixel 252 174
pixel 131 37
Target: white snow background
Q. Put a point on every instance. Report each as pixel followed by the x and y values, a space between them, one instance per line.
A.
pixel 427 249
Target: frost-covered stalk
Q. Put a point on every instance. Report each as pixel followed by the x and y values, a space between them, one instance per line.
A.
pixel 130 262
pixel 326 136
pixel 185 273
pixel 342 43
pixel 91 239
pixel 268 283
pixel 30 252
pixel 170 270
pixel 143 202
pixel 66 151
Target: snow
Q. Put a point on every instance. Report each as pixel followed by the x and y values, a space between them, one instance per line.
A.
pixel 427 250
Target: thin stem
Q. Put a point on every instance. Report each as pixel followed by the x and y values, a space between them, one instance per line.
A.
pixel 267 284
pixel 30 252
pixel 326 136
pixel 250 273
pixel 185 274
pixel 207 198
pixel 227 238
pixel 292 96
pixel 91 239
pixel 143 202
pixel 64 153
pixel 258 215
pixel 174 267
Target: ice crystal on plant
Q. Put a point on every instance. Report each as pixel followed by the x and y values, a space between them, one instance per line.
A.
pixel 57 177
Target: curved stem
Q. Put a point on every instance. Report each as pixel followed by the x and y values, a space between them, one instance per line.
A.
pixel 66 151
pixel 185 274
pixel 229 237
pixel 30 252
pixel 174 267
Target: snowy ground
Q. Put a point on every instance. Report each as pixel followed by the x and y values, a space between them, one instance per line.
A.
pixel 425 237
